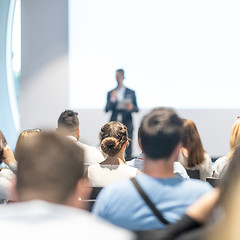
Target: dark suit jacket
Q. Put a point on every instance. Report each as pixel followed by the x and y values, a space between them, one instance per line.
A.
pixel 126 115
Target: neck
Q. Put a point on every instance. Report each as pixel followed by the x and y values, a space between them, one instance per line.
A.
pixel 116 160
pixel 120 85
pixel 160 168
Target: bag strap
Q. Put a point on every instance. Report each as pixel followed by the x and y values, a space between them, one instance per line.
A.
pixel 147 200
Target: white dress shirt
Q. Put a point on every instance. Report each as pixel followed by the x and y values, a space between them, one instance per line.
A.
pixel 91 154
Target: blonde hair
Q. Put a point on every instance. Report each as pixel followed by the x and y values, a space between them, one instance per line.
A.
pixel 228 228
pixel 234 138
pixel 23 136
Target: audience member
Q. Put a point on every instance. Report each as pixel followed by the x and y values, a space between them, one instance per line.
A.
pixel 228 228
pixel 138 162
pixel 49 182
pixel 114 141
pixel 68 125
pixel 192 155
pixel 24 137
pixel 220 166
pixel 195 224
pixel 6 175
pixel 121 203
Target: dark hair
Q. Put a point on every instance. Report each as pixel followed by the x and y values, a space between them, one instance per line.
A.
pixel 113 136
pixel 160 132
pixel 49 167
pixel 68 120
pixel 3 144
pixel 121 71
pixel 192 142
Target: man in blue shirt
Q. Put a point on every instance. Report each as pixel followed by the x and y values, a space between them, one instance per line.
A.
pixel 120 202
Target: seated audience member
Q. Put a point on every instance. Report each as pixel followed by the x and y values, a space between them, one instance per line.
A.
pixel 228 228
pixel 114 141
pixel 227 225
pixel 6 175
pixel 121 202
pixel 138 163
pixel 195 223
pixel 220 166
pixel 192 155
pixel 23 137
pixel 50 180
pixel 68 125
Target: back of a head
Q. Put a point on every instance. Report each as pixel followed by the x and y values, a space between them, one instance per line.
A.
pixel 68 122
pixel 49 168
pixel 160 132
pixel 235 137
pixel 3 144
pixel 192 142
pixel 231 177
pixel 113 136
pixel 23 137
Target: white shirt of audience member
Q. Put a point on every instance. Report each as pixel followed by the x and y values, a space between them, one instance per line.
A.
pixel 91 154
pixel 204 168
pixel 39 219
pixel 178 168
pixel 101 175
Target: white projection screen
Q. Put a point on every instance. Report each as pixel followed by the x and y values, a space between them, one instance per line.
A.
pixel 181 53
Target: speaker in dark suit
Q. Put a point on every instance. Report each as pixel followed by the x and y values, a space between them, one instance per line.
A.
pixel 122 102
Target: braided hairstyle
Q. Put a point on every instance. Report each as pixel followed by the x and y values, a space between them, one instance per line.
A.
pixel 113 136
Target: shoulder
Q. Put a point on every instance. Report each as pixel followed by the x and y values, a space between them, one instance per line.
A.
pixel 94 166
pixel 198 186
pixel 178 165
pixel 131 162
pixel 109 92
pixel 59 216
pixel 207 157
pixel 91 151
pixel 8 174
pixel 220 161
pixel 129 90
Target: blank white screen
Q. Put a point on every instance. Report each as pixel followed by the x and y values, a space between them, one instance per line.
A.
pixel 183 54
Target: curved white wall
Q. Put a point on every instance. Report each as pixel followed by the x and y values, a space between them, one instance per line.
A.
pixel 9 116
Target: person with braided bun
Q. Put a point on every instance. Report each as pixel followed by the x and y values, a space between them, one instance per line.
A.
pixel 114 141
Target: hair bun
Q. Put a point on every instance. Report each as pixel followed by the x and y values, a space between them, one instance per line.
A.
pixel 110 146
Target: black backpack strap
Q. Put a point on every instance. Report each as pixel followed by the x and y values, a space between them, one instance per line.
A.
pixel 156 212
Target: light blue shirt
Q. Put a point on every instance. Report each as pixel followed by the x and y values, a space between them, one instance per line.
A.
pixel 121 204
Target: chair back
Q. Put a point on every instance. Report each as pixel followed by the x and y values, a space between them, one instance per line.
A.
pixel 193 173
pixel 213 181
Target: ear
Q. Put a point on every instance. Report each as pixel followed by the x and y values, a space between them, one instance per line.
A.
pixel 126 144
pixel 78 133
pixel 82 192
pixel 176 151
